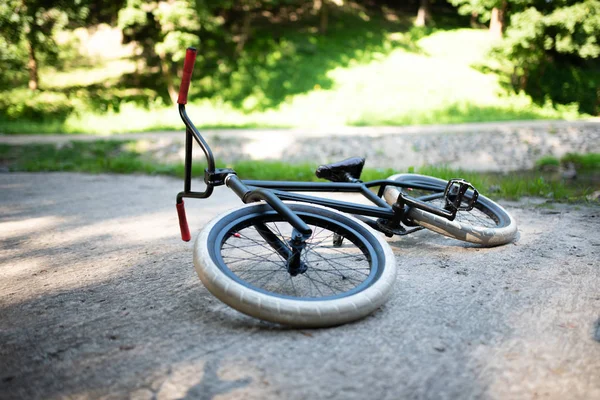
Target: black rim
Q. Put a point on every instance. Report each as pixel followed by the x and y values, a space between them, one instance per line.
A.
pixel 333 272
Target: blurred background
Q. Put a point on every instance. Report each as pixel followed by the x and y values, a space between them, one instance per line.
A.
pixel 334 71
pixel 82 66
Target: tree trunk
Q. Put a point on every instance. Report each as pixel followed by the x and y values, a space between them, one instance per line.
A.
pixel 32 66
pixel 321 7
pixel 474 20
pixel 497 21
pixel 166 72
pixel 424 14
pixel 167 75
pixel 245 31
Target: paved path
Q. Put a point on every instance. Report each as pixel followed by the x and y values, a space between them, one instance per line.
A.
pixel 505 146
pixel 99 299
pixel 483 127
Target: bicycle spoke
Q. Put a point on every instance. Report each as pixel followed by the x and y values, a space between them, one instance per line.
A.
pixel 258 243
pixel 281 235
pixel 336 250
pixel 331 271
pixel 328 261
pixel 319 242
pixel 250 269
pixel 240 259
pixel 258 255
pixel 322 281
pixel 338 270
pixel 269 274
pixel 310 280
pixel 230 246
pixel 293 287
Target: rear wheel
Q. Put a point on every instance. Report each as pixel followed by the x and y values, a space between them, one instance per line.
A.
pixel 340 284
pixel 487 224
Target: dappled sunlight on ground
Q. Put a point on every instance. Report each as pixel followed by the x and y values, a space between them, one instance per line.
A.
pixel 28 226
pixel 99 297
pixel 59 234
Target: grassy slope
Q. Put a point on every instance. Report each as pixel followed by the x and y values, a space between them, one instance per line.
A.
pixel 435 82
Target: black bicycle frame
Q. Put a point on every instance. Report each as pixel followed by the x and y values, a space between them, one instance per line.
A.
pixel 275 192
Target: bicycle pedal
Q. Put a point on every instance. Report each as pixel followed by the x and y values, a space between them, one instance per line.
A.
pixel 455 193
pixel 400 230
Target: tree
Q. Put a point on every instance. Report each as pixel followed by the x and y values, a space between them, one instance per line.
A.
pixel 424 13
pixel 321 8
pixel 493 11
pixel 221 30
pixel 554 48
pixel 163 30
pixel 31 24
pixel 12 50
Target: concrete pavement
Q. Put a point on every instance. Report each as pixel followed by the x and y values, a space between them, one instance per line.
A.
pixel 99 299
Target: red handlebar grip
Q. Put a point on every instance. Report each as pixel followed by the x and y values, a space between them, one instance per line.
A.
pixel 183 225
pixel 188 67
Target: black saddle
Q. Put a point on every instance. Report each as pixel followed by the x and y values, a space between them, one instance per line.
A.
pixel 348 170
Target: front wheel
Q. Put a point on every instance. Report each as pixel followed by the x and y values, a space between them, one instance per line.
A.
pixel 340 284
pixel 487 224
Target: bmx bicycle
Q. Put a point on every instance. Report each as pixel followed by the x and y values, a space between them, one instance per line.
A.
pixel 310 261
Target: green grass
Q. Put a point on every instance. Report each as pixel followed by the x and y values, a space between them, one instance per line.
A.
pixel 96 157
pixel 306 83
pixel 523 183
pixel 122 158
pixel 548 163
pixel 581 162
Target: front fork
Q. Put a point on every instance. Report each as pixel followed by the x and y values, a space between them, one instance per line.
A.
pixel 294 263
pixel 290 251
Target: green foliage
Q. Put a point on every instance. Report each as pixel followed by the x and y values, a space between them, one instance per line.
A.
pixel 275 170
pixel 458 112
pixel 101 156
pixel 554 51
pixel 163 30
pixel 27 31
pixel 266 63
pixel 547 163
pixel 35 22
pixel 121 157
pixel 272 68
pixel 11 64
pixel 583 162
pixel 522 183
pixel 12 49
pixel 391 84
pixel 482 8
pixel 35 106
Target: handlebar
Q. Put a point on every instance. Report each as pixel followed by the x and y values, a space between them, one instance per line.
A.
pixel 188 68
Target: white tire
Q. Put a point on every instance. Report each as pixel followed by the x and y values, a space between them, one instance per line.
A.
pixel 488 224
pixel 320 311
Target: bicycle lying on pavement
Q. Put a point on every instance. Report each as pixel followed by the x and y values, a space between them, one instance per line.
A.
pixel 310 261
